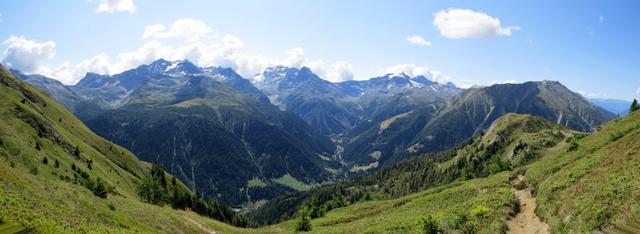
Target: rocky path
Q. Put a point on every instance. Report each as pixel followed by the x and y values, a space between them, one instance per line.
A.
pixel 526 221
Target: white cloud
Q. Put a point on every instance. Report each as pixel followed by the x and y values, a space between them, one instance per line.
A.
pixel 418 40
pixel 593 95
pixel 110 6
pixel 27 55
pixel 414 70
pixel 340 71
pixel 188 29
pixel 183 39
pixel 503 82
pixel 463 23
pixel 1 18
pixel 638 91
pixel 601 19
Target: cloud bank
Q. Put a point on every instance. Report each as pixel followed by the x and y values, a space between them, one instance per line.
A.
pixel 190 39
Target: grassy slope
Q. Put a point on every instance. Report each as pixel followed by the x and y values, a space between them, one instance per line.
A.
pixel 577 192
pixel 405 214
pixel 50 204
pixel 596 184
pixel 443 203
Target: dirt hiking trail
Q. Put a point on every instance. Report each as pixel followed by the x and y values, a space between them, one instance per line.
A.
pixel 526 222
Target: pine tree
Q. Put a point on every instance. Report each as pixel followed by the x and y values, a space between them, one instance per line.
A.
pixel 303 224
pixel 634 105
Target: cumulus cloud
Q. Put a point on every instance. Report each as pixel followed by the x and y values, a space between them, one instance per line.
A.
pixel 464 23
pixel 638 91
pixel 27 55
pixel 340 71
pixel 415 70
pixel 418 40
pixel 110 6
pixel 183 39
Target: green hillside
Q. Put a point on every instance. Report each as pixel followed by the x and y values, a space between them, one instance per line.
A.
pixel 512 141
pixel 594 182
pixel 56 176
pixel 581 183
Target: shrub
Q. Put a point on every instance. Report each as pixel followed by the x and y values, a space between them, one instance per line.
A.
pixel 521 185
pixel 33 170
pixel 37 146
pixel 57 163
pixel 111 206
pixel 459 220
pixel 45 160
pixel 480 211
pixel 616 136
pixel 470 228
pixel 99 189
pixel 572 146
pixel 430 226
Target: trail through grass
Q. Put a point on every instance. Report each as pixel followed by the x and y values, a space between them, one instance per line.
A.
pixel 526 221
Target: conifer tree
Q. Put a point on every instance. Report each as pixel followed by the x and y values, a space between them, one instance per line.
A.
pixel 634 105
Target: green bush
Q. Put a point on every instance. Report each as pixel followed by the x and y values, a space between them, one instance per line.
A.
pixel 480 211
pixel 99 189
pixel 616 136
pixel 33 170
pixel 470 228
pixel 459 220
pixel 430 226
pixel 111 206
pixel 573 145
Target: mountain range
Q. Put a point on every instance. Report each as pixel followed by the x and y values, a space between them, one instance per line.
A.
pixel 58 177
pixel 286 129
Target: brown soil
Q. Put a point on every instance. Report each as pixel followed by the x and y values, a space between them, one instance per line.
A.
pixel 526 221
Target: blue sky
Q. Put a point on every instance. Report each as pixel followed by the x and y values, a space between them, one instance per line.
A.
pixel 590 46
